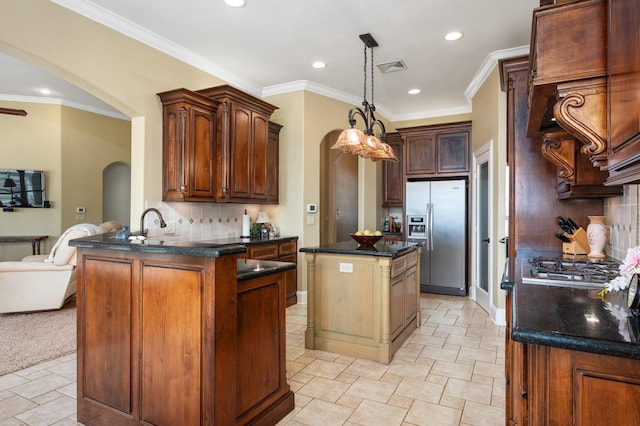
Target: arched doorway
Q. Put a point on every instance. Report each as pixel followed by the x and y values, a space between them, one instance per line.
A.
pixel 338 192
pixel 116 193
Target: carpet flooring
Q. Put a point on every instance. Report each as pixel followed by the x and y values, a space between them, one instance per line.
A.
pixel 31 338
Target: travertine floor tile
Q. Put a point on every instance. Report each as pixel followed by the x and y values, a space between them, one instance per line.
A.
pixel 449 372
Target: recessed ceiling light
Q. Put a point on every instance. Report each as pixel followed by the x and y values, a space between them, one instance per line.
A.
pixel 319 65
pixel 236 3
pixel 414 91
pixel 454 35
pixel 45 91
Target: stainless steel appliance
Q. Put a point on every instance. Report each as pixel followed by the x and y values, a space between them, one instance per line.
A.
pixel 569 272
pixel 437 213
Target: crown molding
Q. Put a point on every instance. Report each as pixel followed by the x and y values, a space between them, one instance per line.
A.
pixel 490 62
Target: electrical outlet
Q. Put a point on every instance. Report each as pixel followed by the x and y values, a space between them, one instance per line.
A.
pixel 170 228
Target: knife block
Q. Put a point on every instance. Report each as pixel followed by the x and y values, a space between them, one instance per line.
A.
pixel 579 243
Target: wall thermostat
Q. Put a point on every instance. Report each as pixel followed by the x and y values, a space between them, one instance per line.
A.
pixel 312 208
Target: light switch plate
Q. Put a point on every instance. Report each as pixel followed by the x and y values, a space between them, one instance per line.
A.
pixel 346 267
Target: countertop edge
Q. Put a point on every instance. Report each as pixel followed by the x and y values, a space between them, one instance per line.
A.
pixel 583 344
pixel 359 252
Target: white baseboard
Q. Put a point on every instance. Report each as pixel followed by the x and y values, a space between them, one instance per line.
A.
pixel 498 316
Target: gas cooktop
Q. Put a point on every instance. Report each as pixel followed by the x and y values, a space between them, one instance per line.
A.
pixel 569 272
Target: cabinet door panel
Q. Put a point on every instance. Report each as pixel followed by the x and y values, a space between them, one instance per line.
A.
pixel 420 156
pixel 392 184
pixel 171 353
pixel 259 157
pixel 240 179
pixel 259 333
pixel 397 305
pixel 453 152
pixel 410 294
pixel 201 154
pixel 106 338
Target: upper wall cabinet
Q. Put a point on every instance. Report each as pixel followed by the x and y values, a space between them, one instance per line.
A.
pixel 243 154
pixel 437 150
pixel 624 92
pixel 219 146
pixel 392 179
pixel 188 151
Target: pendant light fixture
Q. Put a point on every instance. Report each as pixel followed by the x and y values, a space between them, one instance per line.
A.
pixel 365 143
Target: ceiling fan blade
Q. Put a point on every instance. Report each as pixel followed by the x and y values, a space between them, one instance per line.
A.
pixel 12 111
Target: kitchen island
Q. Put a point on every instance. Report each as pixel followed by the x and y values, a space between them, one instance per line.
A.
pixel 572 357
pixel 179 331
pixel 362 302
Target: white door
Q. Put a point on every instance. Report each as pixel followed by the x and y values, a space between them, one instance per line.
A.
pixel 482 288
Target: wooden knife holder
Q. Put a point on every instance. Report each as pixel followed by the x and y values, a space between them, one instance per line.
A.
pixel 579 243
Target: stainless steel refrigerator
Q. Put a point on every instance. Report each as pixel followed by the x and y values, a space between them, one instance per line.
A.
pixel 442 206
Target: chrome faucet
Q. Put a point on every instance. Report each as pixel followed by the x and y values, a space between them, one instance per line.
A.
pixel 144 213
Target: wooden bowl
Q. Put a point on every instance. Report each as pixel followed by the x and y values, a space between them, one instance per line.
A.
pixel 366 240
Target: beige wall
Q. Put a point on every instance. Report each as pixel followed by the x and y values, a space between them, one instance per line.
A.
pixel 90 142
pixel 72 147
pixel 489 124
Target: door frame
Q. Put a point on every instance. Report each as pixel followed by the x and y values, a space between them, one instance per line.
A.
pixel 482 156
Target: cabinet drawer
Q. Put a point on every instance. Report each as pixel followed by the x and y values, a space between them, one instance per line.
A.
pixel 403 263
pixel 287 247
pixel 263 251
pixel 412 258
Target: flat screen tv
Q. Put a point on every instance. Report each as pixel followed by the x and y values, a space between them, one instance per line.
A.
pixel 22 188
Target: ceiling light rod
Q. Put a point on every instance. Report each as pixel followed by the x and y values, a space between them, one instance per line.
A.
pixel 365 143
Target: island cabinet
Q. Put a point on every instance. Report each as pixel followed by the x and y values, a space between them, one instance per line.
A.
pixel 392 178
pixel 284 250
pixel 188 149
pixel 173 339
pixel 245 152
pixel 437 150
pixel 362 304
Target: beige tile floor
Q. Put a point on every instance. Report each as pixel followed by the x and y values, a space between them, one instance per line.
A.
pixel 449 372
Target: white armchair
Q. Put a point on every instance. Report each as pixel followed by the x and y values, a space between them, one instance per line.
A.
pixel 45 282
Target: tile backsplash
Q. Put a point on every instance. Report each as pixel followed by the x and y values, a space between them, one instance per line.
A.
pixel 623 220
pixel 207 221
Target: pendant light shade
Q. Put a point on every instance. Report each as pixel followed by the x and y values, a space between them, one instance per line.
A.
pixel 357 142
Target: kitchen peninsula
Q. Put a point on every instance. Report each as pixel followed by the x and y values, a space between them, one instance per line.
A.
pixel 175 331
pixel 362 302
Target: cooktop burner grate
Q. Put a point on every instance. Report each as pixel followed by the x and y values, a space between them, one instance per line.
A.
pixel 578 271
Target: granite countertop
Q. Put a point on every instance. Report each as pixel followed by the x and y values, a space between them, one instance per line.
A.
pixel 182 245
pixel 574 318
pixel 381 248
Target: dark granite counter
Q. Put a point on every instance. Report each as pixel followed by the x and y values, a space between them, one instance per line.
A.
pixel 182 245
pixel 381 248
pixel 574 318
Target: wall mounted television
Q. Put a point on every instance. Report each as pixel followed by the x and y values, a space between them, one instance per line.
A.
pixel 22 188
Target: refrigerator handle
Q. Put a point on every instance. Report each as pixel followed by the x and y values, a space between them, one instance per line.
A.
pixel 429 232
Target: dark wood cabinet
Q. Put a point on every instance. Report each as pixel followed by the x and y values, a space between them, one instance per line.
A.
pixel 283 250
pixel 437 150
pixel 243 146
pixel 392 178
pixel 188 149
pixel 166 339
pixel 219 146
pixel 579 388
pixel 624 92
